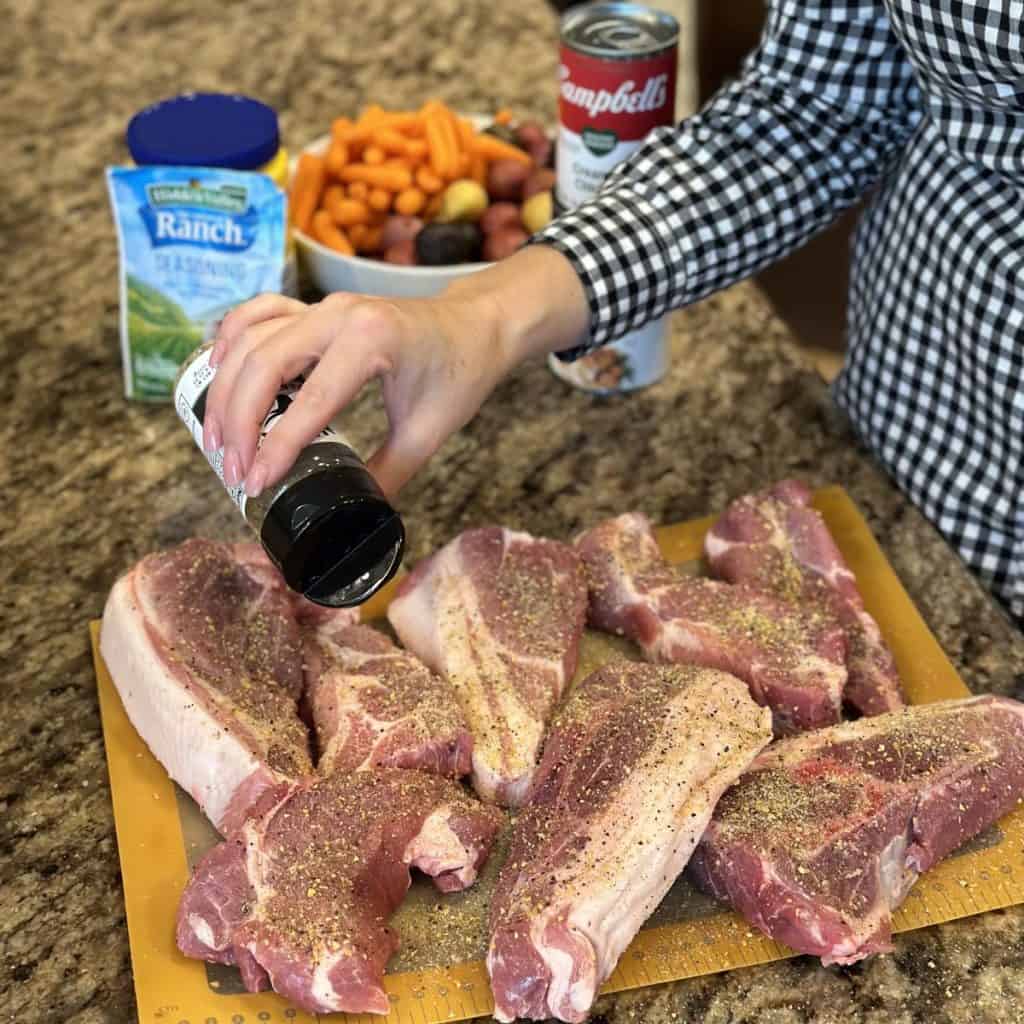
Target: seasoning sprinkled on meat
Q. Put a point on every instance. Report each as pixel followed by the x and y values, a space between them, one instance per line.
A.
pixel 826 833
pixel 776 542
pixel 299 897
pixel 792 659
pixel 500 614
pixel 375 705
pixel 632 768
pixel 205 650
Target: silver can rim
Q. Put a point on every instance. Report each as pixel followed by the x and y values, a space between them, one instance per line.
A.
pixel 581 15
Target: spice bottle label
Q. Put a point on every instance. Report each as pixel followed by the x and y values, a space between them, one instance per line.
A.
pixel 190 400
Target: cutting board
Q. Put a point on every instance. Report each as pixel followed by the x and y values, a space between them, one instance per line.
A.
pixel 439 974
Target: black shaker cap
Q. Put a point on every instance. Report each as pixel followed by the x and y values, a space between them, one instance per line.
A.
pixel 334 536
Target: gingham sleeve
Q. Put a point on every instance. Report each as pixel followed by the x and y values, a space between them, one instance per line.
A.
pixel 820 109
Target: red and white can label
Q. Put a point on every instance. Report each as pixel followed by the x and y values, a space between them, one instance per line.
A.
pixel 606 109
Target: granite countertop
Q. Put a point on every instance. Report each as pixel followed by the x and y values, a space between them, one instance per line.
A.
pixel 91 483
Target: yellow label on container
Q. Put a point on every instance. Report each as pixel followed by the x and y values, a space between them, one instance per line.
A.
pixel 439 974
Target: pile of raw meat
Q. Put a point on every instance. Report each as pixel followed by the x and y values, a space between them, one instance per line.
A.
pixel 332 761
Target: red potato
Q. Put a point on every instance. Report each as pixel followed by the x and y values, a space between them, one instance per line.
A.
pixel 399 229
pixel 403 252
pixel 532 137
pixel 540 180
pixel 505 180
pixel 503 242
pixel 499 216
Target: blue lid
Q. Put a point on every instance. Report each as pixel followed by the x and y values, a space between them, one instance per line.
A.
pixel 205 129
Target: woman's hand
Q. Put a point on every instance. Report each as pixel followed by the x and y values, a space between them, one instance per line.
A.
pixel 438 360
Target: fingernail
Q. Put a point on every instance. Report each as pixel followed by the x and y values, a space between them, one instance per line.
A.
pixel 211 435
pixel 256 480
pixel 232 467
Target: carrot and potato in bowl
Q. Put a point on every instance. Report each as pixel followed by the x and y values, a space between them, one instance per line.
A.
pixel 401 202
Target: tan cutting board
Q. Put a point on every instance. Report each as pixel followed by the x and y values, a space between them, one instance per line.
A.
pixel 439 974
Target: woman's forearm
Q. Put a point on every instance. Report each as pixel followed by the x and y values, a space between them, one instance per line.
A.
pixel 531 303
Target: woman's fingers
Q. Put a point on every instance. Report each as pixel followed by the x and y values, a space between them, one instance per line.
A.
pixel 257 378
pixel 263 307
pixel 333 383
pixel 283 356
pixel 223 384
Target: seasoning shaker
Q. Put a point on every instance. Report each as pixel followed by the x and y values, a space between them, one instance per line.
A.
pixel 326 525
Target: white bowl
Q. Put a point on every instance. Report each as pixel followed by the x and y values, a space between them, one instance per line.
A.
pixel 332 271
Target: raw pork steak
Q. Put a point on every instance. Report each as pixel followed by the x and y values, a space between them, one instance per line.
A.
pixel 777 543
pixel 500 614
pixel 826 833
pixel 375 705
pixel 632 769
pixel 205 650
pixel 299 897
pixel 792 660
pixel 254 560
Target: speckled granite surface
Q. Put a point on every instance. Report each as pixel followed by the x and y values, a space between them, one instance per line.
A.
pixel 90 483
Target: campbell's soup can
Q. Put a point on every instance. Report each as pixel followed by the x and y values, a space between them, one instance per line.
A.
pixel 617 82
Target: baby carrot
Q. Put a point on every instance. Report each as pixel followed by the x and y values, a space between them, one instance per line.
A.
pixel 451 134
pixel 304 195
pixel 494 149
pixel 379 199
pixel 358 190
pixel 503 116
pixel 437 144
pixel 346 212
pixel 416 149
pixel 427 181
pixel 332 194
pixel 398 120
pixel 328 233
pixel 337 157
pixel 467 133
pixel 392 178
pixel 341 128
pixel 359 136
pixel 371 240
pixel 409 202
pixel 372 114
pixel 391 142
pixel 357 234
pixel 373 154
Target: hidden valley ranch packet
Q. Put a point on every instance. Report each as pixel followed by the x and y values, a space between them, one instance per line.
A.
pixel 194 242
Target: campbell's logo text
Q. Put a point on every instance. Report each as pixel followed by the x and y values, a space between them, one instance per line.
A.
pixel 626 99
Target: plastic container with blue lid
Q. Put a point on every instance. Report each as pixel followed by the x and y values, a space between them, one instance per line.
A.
pixel 209 129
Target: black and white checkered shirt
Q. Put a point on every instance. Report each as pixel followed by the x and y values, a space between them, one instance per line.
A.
pixel 925 97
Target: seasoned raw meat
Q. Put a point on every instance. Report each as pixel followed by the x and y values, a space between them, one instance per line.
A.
pixel 374 705
pixel 826 833
pixel 257 564
pixel 791 659
pixel 500 614
pixel 776 542
pixel 632 769
pixel 206 653
pixel 300 895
